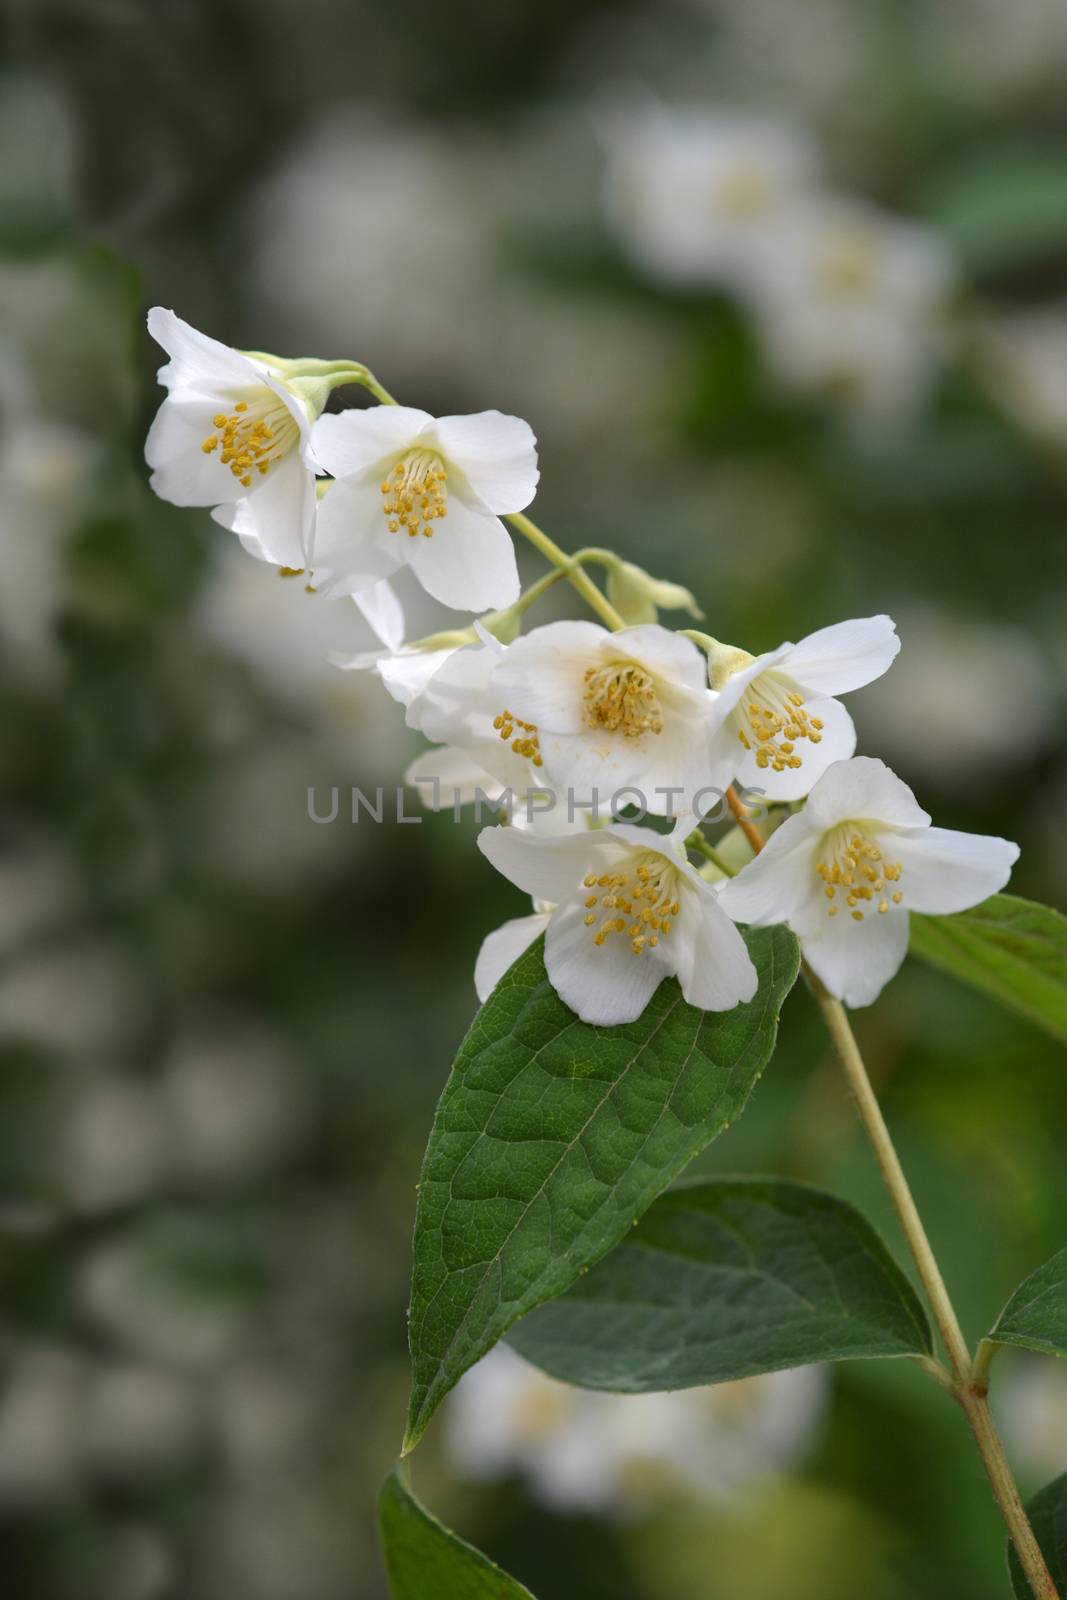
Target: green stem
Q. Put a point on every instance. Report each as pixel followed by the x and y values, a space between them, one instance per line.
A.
pixel 966 1386
pixel 572 572
pixel 696 841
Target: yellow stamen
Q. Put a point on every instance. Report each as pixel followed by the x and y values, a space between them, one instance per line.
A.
pixel 851 860
pixel 415 493
pixel 621 697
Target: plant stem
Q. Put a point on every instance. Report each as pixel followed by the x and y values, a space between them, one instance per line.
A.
pixel 968 1379
pixel 970 1393
pixel 575 574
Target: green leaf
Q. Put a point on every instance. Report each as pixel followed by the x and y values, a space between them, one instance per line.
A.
pixel 424 1560
pixel 724 1278
pixel 1036 1314
pixel 552 1137
pixel 1048 1518
pixel 1014 950
pixel 1005 207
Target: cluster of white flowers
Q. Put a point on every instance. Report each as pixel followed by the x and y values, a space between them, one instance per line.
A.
pixel 569 729
pixel 580 1451
pixel 849 301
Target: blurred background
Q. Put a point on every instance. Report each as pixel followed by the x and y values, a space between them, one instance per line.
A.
pixel 782 290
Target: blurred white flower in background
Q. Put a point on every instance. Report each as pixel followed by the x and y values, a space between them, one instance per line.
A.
pixel 1030 1402
pixel 40 1422
pixel 585 1451
pixel 968 726
pixel 373 238
pixel 1021 357
pixel 112 1145
pixel 38 889
pixel 695 195
pixel 986 52
pixel 851 305
pixel 236 1104
pixel 139 1420
pixel 79 997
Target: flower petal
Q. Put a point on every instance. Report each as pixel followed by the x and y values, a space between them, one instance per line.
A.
pixel 446 777
pixel 778 882
pixel 550 867
pixel 182 473
pixel 382 610
pixel 716 970
pixel 851 791
pixel 353 443
pixel 542 677
pixel 276 521
pixel 352 548
pixel 603 984
pixel 502 948
pixel 838 741
pixel 946 871
pixel 195 357
pixel 855 960
pixel 469 563
pixel 845 656
pixel 496 454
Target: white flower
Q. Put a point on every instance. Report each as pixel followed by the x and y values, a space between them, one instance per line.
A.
pixel 850 304
pixel 503 947
pixel 614 711
pixel 844 872
pixel 628 912
pixel 1022 360
pixel 234 434
pixel 778 728
pixel 580 1450
pixel 695 195
pixel 427 492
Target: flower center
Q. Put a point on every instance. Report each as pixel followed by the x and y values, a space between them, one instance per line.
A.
pixel 848 263
pixel 253 436
pixel 744 192
pixel 526 742
pixel 771 720
pixel 416 493
pixel 646 897
pixel 622 698
pixel 854 867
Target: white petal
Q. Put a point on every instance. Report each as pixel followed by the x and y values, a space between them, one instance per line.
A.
pixel 542 678
pixel 497 456
pixel 851 791
pixel 946 871
pixel 843 657
pixel 383 611
pixel 353 443
pixel 777 882
pixel 838 741
pixel 855 960
pixel 182 473
pixel 719 973
pixel 195 356
pixel 277 519
pixel 501 949
pixel 667 655
pixel 603 984
pixel 352 548
pixel 446 777
pixel 469 563
pixel 548 867
pixel 407 673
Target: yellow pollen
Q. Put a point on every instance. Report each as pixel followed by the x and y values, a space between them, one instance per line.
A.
pixel 646 893
pixel 526 744
pixel 415 494
pixel 253 437
pixel 771 721
pixel 621 697
pixel 853 862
